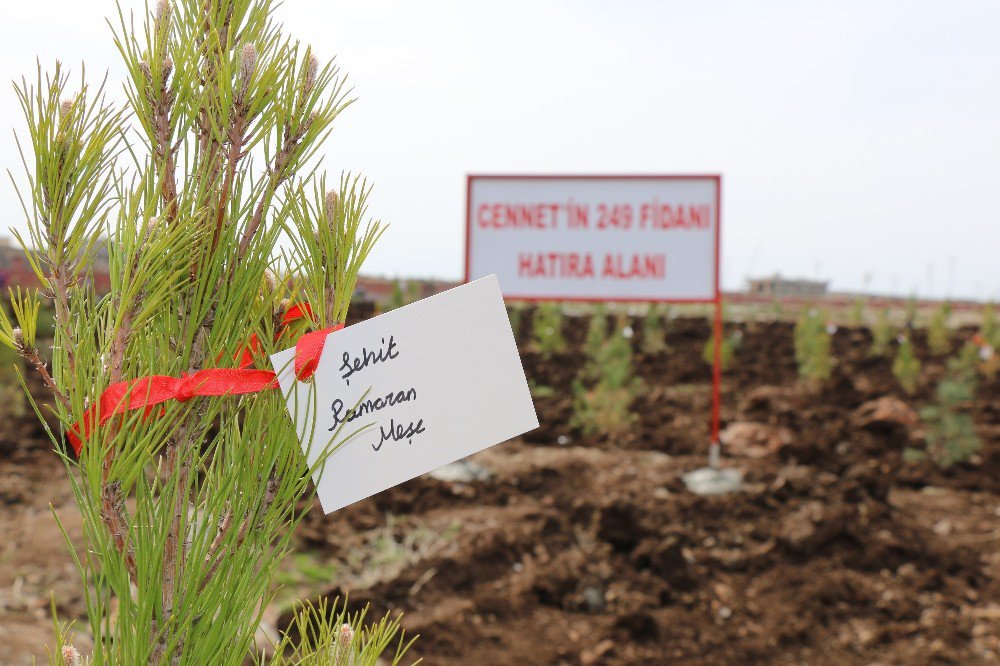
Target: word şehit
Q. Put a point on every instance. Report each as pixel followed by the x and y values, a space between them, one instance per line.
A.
pixel 367 357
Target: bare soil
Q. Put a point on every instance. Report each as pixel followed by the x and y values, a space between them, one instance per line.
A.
pixel 590 550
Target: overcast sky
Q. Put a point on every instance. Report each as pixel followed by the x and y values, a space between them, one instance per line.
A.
pixel 853 138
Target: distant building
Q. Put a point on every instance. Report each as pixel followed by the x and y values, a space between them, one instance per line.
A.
pixel 372 288
pixel 777 286
pixel 379 289
pixel 15 271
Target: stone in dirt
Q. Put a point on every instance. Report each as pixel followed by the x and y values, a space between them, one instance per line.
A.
pixel 886 411
pixel 595 654
pixel 771 400
pixel 754 440
pixel 814 524
pixel 461 471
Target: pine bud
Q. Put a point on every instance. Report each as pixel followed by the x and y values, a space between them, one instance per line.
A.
pixel 248 61
pixel 18 336
pixel 346 636
pixel 279 312
pixel 331 206
pixel 270 494
pixel 144 68
pixel 309 80
pixel 271 490
pixel 162 16
pixel 66 108
pixel 271 281
pixel 71 656
pixel 307 125
pixel 168 67
pixel 153 225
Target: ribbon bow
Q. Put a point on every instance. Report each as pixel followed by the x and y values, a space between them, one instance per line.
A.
pixel 147 392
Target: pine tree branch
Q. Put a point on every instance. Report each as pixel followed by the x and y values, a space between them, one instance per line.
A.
pixel 115 517
pixel 270 494
pixel 178 453
pixel 30 354
pixel 60 285
pixel 224 522
pixel 233 159
pixel 119 342
pixel 164 148
pixel 276 176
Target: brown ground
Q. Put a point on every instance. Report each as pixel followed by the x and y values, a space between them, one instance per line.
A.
pixel 589 550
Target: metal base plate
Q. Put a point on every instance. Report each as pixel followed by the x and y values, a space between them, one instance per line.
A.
pixel 714 481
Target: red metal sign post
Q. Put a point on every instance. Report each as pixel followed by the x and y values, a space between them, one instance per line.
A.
pixel 714 444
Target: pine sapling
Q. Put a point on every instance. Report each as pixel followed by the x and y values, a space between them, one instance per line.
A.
pixel 777 309
pixel 911 313
pixel 12 402
pixel 857 316
pixel 730 343
pixel 397 298
pixel 606 387
pixel 189 503
pixel 988 341
pixel 990 328
pixel 990 359
pixel 951 433
pixel 654 331
pixel 938 333
pixel 12 399
pixel 882 334
pixel 906 366
pixel 813 347
pixel 963 365
pixel 597 335
pixel 414 291
pixel 331 636
pixel 546 330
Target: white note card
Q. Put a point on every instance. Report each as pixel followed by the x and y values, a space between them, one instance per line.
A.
pixel 433 382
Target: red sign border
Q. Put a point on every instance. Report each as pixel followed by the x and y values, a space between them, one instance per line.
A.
pixel 717 178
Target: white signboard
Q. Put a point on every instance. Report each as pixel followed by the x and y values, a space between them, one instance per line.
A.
pixel 430 383
pixel 631 238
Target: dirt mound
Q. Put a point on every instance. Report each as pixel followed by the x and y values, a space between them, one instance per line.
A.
pixel 588 550
pixel 579 549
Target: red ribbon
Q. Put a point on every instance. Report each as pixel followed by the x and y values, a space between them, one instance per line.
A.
pixel 147 392
pixel 246 354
